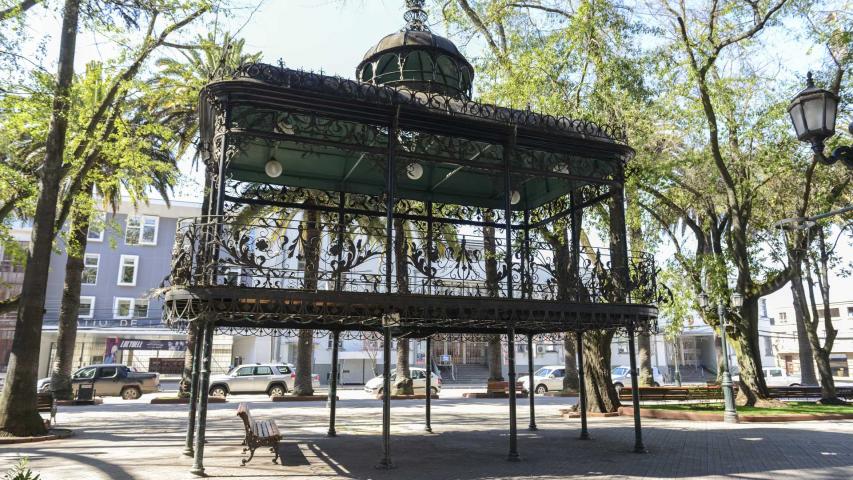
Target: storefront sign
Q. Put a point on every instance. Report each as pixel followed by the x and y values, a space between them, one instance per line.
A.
pixel 141 344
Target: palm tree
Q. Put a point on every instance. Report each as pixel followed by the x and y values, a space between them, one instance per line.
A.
pixel 176 88
pixel 150 165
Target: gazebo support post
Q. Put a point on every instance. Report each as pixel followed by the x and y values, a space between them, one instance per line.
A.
pixel 204 384
pixel 513 434
pixel 428 363
pixel 531 385
pixel 581 387
pixel 385 461
pixel 507 158
pixel 635 393
pixel 194 388
pixel 333 384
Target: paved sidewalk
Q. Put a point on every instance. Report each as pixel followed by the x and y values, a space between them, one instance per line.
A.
pixel 123 440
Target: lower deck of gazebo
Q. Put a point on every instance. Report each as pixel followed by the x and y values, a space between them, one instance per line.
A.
pixel 385 317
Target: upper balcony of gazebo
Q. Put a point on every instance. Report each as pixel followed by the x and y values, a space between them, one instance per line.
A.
pixel 331 134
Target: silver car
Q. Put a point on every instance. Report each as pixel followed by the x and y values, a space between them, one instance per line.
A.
pixel 274 379
pixel 374 385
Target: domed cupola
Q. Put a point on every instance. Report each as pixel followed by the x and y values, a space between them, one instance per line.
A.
pixel 417 59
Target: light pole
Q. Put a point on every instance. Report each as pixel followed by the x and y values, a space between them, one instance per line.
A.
pixel 730 414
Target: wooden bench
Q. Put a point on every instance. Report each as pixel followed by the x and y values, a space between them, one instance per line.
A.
pixel 46 403
pixel 675 393
pixel 503 387
pixel 807 392
pixel 259 433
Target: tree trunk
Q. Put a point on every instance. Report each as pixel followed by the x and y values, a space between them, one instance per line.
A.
pixel 821 352
pixel 18 414
pixel 718 348
pixel 801 312
pixel 189 358
pixel 495 354
pixel 403 385
pixel 494 350
pixel 75 248
pixel 646 378
pixel 753 389
pixel 570 381
pixel 601 395
pixel 311 244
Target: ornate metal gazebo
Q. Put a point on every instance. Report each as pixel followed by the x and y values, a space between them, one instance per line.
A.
pixel 395 206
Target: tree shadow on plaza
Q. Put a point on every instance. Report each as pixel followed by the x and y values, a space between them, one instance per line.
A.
pixel 751 452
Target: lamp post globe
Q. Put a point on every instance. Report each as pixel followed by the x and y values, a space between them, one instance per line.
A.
pixel 813 112
pixel 737 300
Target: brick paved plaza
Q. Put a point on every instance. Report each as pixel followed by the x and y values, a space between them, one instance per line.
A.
pixel 137 440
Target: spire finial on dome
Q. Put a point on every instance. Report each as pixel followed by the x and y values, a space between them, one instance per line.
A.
pixel 415 16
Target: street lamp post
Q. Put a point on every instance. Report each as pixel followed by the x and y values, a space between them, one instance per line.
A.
pixel 730 414
pixel 813 112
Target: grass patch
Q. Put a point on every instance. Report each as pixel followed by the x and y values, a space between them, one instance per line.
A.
pixel 811 408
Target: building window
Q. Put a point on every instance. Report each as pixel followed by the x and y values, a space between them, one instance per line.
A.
pixel 87 307
pixel 96 227
pixel 331 341
pixel 622 348
pixel 783 317
pixel 768 345
pixel 141 230
pixel 140 308
pixel 834 313
pixel 123 308
pixel 90 268
pixel 127 270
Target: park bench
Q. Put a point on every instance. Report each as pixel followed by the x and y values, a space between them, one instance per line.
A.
pixel 503 387
pixel 259 433
pixel 807 392
pixel 46 403
pixel 675 393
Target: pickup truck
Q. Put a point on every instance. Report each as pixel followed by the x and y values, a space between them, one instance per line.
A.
pixel 112 380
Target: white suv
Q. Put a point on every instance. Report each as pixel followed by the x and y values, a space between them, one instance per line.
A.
pixel 549 377
pixel 621 377
pixel 274 379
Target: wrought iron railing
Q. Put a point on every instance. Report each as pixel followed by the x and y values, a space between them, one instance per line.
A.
pixel 291 253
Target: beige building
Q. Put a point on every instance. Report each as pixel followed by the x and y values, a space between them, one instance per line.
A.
pixel 784 338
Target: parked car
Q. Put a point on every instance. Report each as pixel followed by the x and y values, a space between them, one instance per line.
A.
pixel 775 377
pixel 374 385
pixel 546 378
pixel 112 380
pixel 274 379
pixel 621 376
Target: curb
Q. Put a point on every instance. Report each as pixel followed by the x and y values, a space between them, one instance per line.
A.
pixel 56 434
pixel 300 398
pixel 718 417
pixel 419 396
pixel 80 403
pixel 182 401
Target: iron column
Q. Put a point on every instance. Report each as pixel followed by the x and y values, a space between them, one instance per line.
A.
pixel 204 384
pixel 428 426
pixel 635 392
pixel 199 341
pixel 581 388
pixel 531 385
pixel 385 461
pixel 333 383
